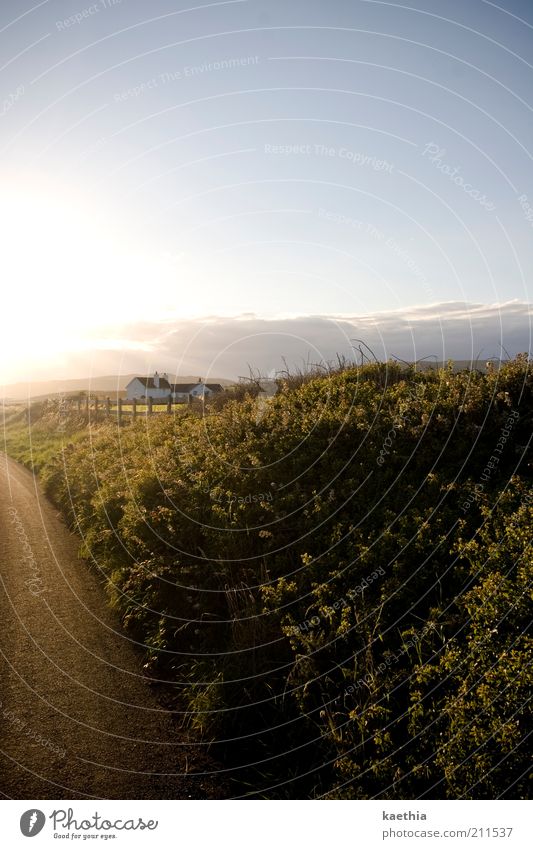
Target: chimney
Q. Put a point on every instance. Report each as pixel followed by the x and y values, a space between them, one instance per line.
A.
pixel 156 380
pixel 199 380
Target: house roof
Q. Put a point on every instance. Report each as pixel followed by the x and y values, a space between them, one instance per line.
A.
pixel 183 387
pixel 148 382
pixel 188 387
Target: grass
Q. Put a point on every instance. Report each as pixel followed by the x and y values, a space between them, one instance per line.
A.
pixel 31 440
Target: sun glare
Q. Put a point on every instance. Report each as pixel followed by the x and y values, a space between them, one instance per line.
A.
pixel 51 251
pixel 70 267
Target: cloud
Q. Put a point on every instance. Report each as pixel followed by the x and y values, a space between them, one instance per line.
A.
pixel 225 346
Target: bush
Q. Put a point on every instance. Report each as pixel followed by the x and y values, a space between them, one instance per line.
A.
pixel 322 580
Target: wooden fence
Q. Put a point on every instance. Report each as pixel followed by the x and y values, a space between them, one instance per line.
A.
pixel 96 408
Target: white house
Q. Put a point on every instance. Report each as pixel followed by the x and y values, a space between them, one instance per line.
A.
pixel 203 390
pixel 159 386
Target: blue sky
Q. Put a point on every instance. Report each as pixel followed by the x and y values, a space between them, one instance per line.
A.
pixel 323 159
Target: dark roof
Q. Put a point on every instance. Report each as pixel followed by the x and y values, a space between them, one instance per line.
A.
pixel 183 387
pixel 148 382
pixel 188 387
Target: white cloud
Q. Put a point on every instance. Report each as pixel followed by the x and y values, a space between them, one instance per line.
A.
pixel 227 347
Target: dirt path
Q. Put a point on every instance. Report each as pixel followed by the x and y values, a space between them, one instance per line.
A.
pixel 77 719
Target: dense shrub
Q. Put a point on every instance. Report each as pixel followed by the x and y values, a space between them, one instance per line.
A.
pixel 336 582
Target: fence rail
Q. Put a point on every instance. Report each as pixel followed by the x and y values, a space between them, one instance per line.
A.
pixel 119 408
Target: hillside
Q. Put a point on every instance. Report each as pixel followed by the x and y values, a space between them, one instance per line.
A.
pixel 337 582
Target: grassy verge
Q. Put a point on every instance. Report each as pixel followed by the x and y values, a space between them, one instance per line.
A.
pixel 35 436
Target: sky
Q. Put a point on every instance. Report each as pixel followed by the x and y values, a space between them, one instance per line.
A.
pixel 204 186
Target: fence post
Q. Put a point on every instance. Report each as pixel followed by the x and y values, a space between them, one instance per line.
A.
pixel 87 406
pixel 108 407
pixel 95 408
pixel 149 399
pixel 169 404
pixel 134 409
pixel 119 410
pixel 79 403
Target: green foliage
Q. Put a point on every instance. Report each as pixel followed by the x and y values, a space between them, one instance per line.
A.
pixel 482 683
pixel 36 435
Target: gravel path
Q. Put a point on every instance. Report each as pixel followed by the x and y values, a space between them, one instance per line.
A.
pixel 77 718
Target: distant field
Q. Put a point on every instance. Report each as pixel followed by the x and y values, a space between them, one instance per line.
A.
pixel 143 408
pixel 112 385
